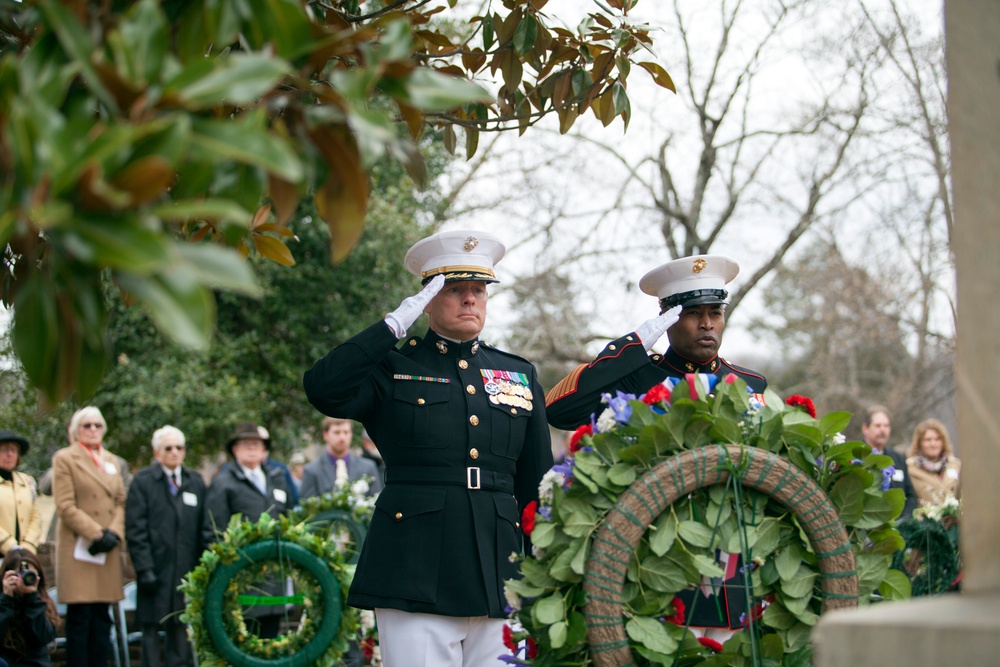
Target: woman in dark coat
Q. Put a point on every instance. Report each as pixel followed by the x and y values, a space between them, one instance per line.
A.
pixel 28 616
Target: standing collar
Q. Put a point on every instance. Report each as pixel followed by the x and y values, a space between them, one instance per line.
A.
pixel 678 362
pixel 449 348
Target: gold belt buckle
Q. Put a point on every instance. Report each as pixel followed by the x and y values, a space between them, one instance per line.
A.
pixel 469 484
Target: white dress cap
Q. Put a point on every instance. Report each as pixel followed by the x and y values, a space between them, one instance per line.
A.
pixel 691 281
pixel 459 255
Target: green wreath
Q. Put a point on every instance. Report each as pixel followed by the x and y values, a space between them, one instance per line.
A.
pixel 930 557
pixel 614 489
pixel 247 552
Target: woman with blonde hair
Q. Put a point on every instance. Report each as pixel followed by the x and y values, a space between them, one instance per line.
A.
pixel 931 463
pixel 90 503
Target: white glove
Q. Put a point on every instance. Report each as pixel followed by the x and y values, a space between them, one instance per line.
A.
pixel 650 331
pixel 407 313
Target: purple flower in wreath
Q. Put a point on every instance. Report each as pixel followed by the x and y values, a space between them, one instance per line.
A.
pixel 619 403
pixel 546 512
pixel 887 473
pixel 566 468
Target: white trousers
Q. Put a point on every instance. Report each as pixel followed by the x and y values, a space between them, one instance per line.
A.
pixel 428 640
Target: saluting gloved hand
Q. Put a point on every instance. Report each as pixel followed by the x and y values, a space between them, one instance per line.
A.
pixel 147 581
pixel 650 331
pixel 403 317
pixel 106 542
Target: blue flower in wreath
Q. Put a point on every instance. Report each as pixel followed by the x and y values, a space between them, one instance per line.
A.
pixel 620 405
pixel 887 473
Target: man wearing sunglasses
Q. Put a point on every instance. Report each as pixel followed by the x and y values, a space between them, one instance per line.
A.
pixel 163 519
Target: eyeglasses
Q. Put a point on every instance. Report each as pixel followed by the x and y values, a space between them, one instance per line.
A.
pixel 92 425
pixel 170 448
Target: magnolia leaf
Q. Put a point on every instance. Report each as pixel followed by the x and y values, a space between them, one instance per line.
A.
pixel 621 474
pixel 549 610
pixel 895 586
pixel 524 34
pixel 237 79
pixel 543 535
pixel 800 584
pixel 788 560
pixel 248 143
pixel 429 90
pixel 847 496
pixel 777 616
pixel 36 332
pixel 579 562
pixel 219 268
pixel 557 634
pixel 871 570
pixel 579 518
pixel 180 307
pixel 663 533
pixel 119 243
pixel 695 534
pixel 650 633
pixel 880 508
pixel 834 422
pixel 708 567
pixel 219 210
pixel 663 574
pixel 273 249
pixel 562 566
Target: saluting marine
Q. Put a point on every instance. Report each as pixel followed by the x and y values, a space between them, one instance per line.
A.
pixel 692 295
pixel 462 431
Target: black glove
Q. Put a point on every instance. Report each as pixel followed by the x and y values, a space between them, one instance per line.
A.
pixel 106 542
pixel 147 581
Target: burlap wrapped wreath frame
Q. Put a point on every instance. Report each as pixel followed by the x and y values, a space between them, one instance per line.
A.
pixel 650 495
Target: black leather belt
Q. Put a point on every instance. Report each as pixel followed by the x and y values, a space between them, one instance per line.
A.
pixel 473 478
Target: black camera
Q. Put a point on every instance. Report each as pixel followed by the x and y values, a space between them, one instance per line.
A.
pixel 28 577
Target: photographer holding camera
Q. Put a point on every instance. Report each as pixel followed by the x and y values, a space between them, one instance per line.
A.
pixel 28 616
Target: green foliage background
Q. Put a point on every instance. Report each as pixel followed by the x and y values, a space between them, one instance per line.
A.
pixel 254 370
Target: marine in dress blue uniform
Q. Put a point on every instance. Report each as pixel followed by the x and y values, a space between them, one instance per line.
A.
pixel 692 297
pixel 461 427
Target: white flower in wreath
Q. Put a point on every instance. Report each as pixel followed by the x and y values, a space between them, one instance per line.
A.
pixel 367 621
pixel 606 421
pixel 839 438
pixel 537 552
pixel 513 599
pixel 360 487
pixel 550 480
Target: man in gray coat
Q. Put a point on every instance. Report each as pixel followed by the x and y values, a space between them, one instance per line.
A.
pixel 337 462
pixel 163 519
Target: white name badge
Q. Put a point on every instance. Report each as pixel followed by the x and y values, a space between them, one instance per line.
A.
pixel 897 475
pixel 110 468
pixel 952 473
pixel 189 499
pixel 280 495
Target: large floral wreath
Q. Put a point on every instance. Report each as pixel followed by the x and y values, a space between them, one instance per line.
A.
pixel 319 578
pixel 681 549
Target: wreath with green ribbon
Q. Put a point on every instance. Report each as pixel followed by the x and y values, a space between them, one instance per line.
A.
pixel 307 568
pixel 620 476
pixel 930 556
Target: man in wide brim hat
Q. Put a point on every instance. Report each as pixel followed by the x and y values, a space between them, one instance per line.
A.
pixel 692 294
pixel 248 431
pixel 10 436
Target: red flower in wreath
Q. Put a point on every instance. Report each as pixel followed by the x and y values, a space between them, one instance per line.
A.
pixel 803 402
pixel 532 649
pixel 656 394
pixel 574 441
pixel 508 639
pixel 367 647
pixel 528 517
pixel 710 644
pixel 678 616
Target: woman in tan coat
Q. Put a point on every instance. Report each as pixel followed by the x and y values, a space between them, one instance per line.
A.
pixel 931 464
pixel 20 520
pixel 90 503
